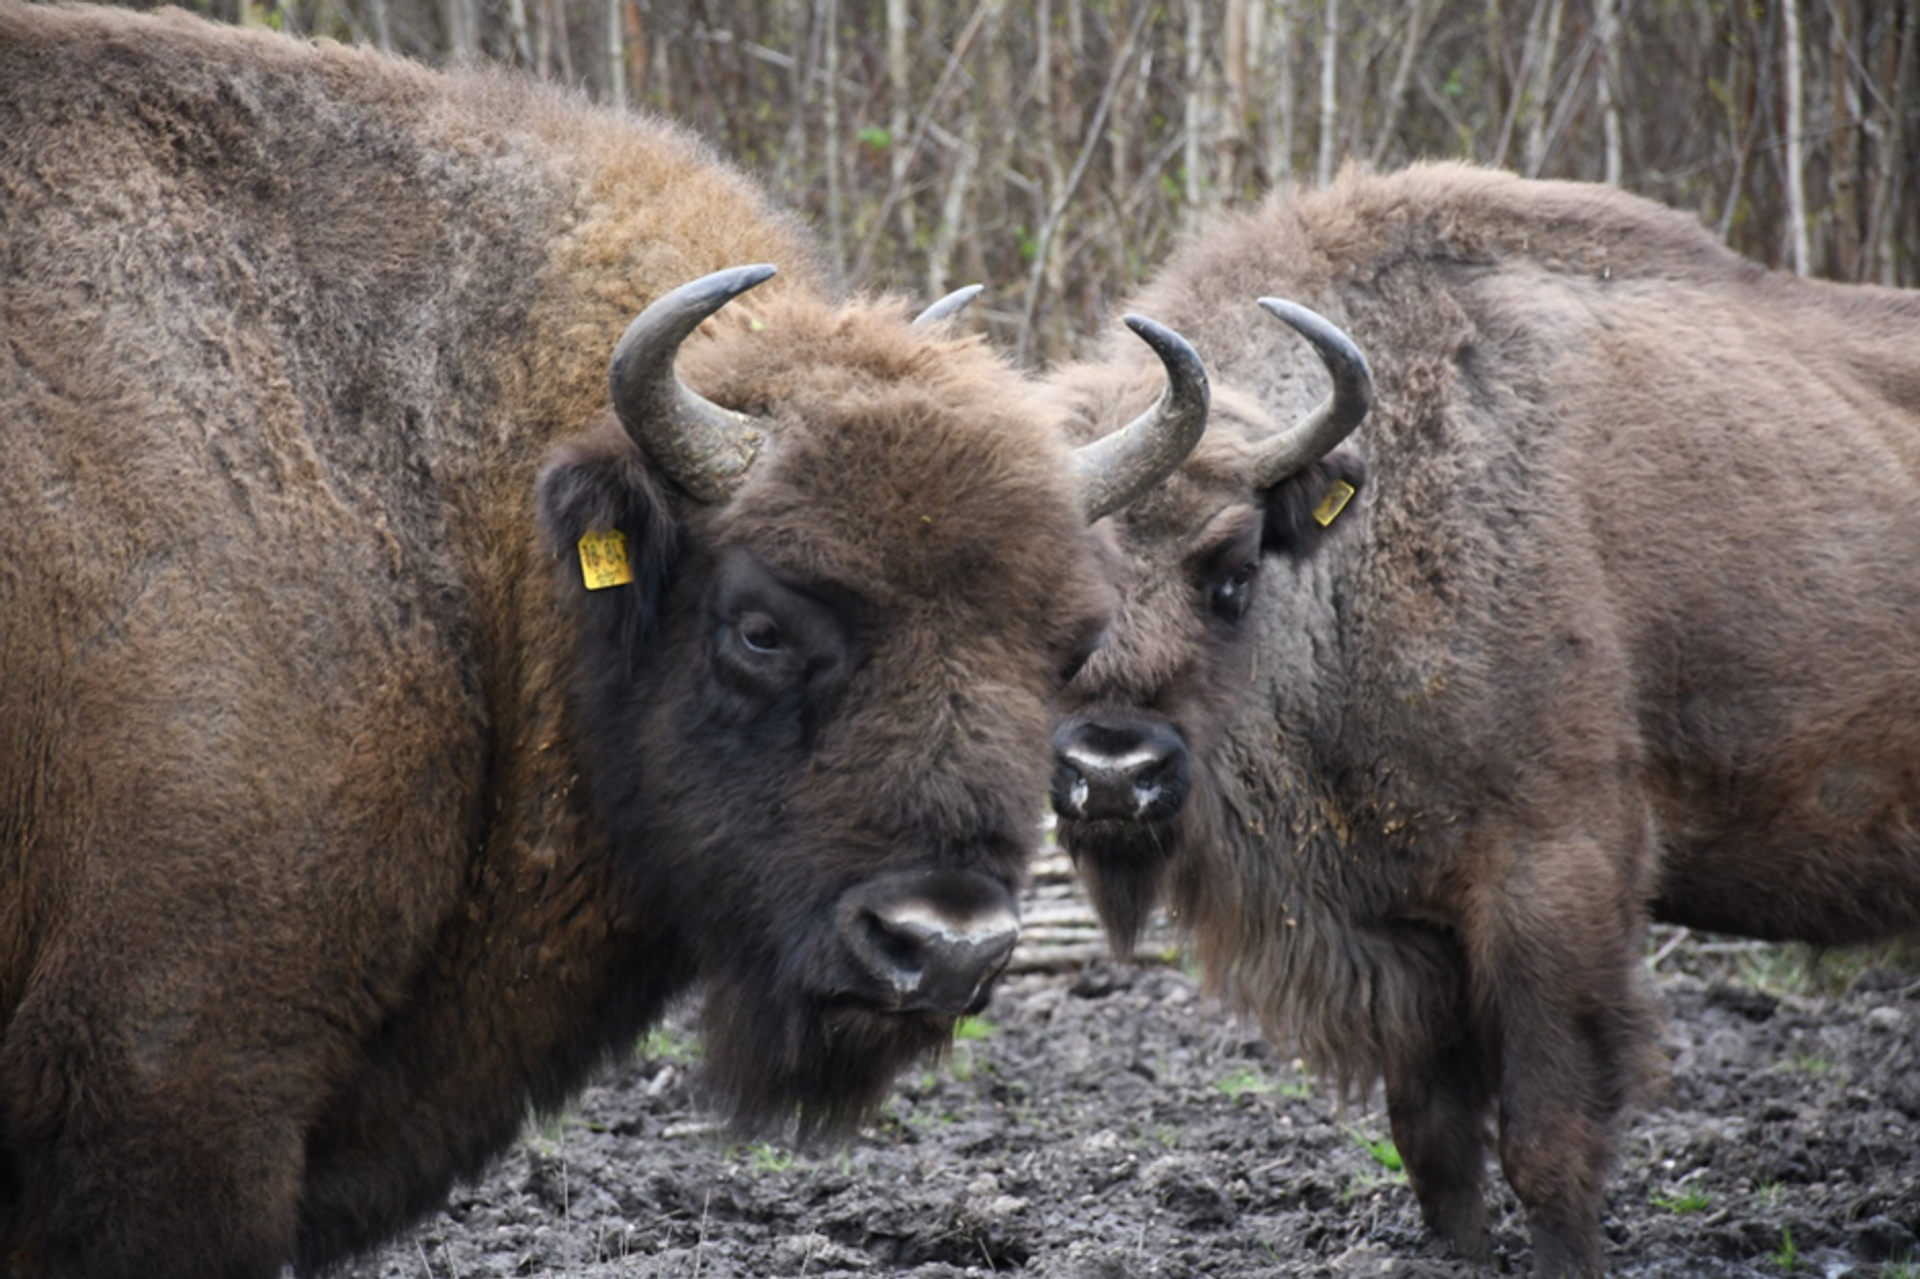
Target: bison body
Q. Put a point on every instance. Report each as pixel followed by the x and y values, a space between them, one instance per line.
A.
pixel 340 822
pixel 1621 620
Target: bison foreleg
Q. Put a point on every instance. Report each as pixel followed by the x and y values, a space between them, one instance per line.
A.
pixel 156 1152
pixel 1556 973
pixel 1440 1104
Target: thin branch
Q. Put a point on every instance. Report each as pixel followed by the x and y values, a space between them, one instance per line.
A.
pixel 1095 127
pixel 1402 75
pixel 897 184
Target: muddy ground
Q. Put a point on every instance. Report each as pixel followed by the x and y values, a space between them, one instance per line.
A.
pixel 1103 1122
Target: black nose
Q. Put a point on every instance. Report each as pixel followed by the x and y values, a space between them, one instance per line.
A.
pixel 932 944
pixel 1119 770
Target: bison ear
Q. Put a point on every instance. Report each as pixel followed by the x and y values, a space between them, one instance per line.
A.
pixel 611 536
pixel 1307 506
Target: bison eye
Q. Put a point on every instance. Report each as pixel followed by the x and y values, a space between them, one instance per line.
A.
pixel 759 633
pixel 1231 595
pixel 1081 654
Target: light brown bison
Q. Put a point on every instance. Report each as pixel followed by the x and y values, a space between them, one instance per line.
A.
pixel 396 711
pixel 1609 606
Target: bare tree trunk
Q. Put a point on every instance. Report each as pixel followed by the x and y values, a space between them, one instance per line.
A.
pixel 830 128
pixel 1236 56
pixel 616 55
pixel 1280 151
pixel 953 207
pixel 517 24
pixel 1608 34
pixel 899 121
pixel 558 13
pixel 1889 196
pixel 543 22
pixel 1095 129
pixel 1742 136
pixel 1800 249
pixel 382 24
pixel 638 59
pixel 1126 147
pixel 1843 220
pixel 986 29
pixel 983 11
pixel 660 76
pixel 1402 75
pixel 1053 172
pixel 1329 99
pixel 1254 117
pixel 1192 117
pixel 461 19
pixel 1540 88
pixel 790 169
pixel 1517 96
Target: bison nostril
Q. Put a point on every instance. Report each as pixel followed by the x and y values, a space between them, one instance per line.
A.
pixel 900 953
pixel 929 961
pixel 1119 772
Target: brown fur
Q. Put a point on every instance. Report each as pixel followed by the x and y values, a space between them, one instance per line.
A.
pixel 338 824
pixel 1622 621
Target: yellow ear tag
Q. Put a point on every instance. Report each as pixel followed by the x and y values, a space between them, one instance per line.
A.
pixel 1333 503
pixel 603 559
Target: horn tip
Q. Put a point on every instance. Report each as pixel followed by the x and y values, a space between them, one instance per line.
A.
pixel 739 279
pixel 1159 336
pixel 1291 312
pixel 949 306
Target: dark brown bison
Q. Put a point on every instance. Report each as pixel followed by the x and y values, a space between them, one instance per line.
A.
pixel 395 711
pixel 1610 606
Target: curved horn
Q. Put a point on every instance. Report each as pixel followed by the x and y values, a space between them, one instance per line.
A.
pixel 1334 418
pixel 1116 469
pixel 705 448
pixel 948 307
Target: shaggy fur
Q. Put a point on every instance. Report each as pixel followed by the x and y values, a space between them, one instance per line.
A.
pixel 339 825
pixel 1622 621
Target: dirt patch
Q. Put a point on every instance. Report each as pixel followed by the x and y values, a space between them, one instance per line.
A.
pixel 1104 1122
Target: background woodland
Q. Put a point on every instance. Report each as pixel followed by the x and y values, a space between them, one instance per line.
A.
pixel 1055 150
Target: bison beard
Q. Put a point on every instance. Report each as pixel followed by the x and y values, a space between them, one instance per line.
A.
pixel 1123 866
pixel 784 1065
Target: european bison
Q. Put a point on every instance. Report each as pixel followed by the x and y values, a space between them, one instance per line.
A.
pixel 389 727
pixel 1611 605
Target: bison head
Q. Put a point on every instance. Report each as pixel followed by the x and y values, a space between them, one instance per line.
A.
pixel 1147 716
pixel 815 717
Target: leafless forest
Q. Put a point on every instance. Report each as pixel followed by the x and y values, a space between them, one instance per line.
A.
pixel 1054 149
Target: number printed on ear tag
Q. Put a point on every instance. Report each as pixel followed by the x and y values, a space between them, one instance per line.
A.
pixel 603 559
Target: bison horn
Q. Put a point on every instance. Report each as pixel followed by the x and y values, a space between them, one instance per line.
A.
pixel 948 307
pixel 705 448
pixel 1321 431
pixel 1116 469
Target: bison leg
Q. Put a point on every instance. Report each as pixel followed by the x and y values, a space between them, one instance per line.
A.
pixel 1558 975
pixel 150 1153
pixel 1439 1088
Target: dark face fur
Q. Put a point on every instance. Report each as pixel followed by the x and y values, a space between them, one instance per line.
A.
pixel 823 755
pixel 1136 754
